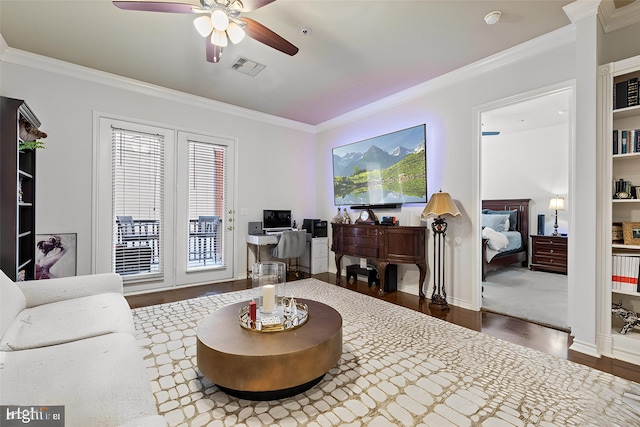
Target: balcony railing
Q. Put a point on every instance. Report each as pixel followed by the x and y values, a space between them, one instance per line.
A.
pixel 138 248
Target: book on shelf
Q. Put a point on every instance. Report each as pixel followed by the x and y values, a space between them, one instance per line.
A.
pixel 620 99
pixel 632 92
pixel 623 189
pixel 626 141
pixel 625 94
pixel 625 273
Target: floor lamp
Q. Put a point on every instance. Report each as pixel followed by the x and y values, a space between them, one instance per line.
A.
pixel 440 204
pixel 557 204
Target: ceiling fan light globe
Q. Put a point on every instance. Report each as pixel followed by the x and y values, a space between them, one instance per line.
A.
pixel 219 38
pixel 219 19
pixel 204 25
pixel 235 32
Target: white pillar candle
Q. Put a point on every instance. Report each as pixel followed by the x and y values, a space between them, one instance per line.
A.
pixel 268 298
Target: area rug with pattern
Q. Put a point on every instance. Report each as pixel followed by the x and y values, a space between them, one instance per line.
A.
pixel 398 367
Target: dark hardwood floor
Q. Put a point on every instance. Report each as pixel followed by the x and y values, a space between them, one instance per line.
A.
pixel 517 331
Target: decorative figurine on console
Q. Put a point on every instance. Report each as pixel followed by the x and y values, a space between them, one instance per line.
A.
pixel 631 319
pixel 338 218
pixel 346 219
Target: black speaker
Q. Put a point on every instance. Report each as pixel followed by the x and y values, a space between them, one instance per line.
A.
pixel 540 225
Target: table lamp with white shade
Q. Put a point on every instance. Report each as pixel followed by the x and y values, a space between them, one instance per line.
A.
pixel 556 204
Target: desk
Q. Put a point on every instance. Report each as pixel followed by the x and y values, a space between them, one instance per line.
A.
pixel 255 241
pixel 386 244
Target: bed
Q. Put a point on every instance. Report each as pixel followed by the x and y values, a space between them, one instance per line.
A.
pixel 495 254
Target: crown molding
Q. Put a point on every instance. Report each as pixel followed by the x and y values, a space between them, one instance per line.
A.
pixel 39 62
pixel 554 39
pixel 533 47
pixel 581 9
pixel 613 19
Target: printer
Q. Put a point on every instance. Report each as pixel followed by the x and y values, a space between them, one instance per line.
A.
pixel 315 227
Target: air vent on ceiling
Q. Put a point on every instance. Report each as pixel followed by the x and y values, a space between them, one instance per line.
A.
pixel 247 66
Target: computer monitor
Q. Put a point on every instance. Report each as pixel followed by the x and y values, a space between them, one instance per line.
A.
pixel 275 220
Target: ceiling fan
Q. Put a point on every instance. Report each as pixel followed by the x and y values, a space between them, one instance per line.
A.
pixel 219 22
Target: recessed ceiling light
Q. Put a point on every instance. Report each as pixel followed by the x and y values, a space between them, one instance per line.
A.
pixel 492 17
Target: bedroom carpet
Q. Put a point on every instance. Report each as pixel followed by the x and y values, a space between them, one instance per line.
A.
pixel 399 367
pixel 536 296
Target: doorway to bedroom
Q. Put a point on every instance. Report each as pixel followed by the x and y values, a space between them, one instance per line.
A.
pixel 525 154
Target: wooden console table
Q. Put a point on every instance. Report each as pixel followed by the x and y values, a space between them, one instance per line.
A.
pixel 386 244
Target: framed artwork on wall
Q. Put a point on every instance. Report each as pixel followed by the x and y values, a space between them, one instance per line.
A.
pixel 55 255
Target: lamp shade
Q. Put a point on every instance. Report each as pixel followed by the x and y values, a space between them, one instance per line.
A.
pixel 556 204
pixel 440 204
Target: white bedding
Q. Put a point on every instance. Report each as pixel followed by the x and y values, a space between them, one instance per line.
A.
pixel 499 242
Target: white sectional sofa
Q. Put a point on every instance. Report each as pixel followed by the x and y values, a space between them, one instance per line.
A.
pixel 71 342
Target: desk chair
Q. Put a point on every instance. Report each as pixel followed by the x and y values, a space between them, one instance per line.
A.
pixel 208 237
pixel 292 244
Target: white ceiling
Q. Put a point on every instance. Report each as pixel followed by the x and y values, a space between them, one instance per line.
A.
pixel 553 109
pixel 358 52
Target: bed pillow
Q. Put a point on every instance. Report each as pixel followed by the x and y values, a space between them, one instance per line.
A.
pixel 513 217
pixel 497 222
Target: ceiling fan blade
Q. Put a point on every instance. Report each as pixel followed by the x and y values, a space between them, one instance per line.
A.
pixel 264 35
pixel 214 52
pixel 155 6
pixel 250 5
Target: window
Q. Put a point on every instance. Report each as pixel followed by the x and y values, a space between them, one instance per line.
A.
pixel 206 203
pixel 137 205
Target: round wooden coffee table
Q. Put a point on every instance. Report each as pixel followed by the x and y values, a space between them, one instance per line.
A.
pixel 257 365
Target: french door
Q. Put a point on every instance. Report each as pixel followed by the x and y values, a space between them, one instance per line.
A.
pixel 204 214
pixel 163 206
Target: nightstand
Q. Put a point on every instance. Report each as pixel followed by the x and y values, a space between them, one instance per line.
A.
pixel 549 253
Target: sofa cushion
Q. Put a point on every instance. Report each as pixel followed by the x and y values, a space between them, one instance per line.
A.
pixel 38 292
pixel 101 381
pixel 12 300
pixel 68 320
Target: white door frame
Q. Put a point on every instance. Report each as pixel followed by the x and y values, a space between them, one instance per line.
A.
pixel 476 297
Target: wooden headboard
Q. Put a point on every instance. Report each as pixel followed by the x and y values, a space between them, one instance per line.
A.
pixel 522 206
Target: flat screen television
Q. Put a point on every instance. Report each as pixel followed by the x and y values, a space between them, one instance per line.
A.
pixel 276 220
pixel 386 170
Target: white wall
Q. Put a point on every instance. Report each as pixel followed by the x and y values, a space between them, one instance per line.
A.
pixel 275 158
pixel 532 164
pixel 446 106
pixel 279 166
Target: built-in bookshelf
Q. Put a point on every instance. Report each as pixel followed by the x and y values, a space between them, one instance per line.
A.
pixel 17 192
pixel 621 135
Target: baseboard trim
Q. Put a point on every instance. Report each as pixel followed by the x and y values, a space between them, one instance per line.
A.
pixel 585 348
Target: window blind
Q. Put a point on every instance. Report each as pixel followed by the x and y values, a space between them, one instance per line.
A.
pixel 137 201
pixel 206 203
